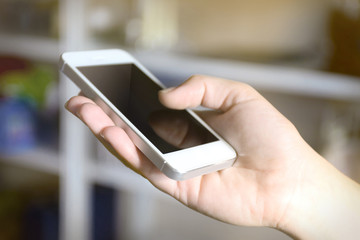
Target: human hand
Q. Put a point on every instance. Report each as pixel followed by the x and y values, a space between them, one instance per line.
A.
pixel 270 177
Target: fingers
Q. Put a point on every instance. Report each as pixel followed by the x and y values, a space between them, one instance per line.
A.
pixel 135 159
pixel 91 114
pixel 207 91
pixel 114 138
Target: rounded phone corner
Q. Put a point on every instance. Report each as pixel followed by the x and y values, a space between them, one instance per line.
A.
pixel 173 173
pixel 61 62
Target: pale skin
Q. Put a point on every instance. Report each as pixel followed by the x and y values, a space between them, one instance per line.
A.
pixel 277 180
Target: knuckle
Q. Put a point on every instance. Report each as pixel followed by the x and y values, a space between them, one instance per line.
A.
pixel 197 77
pixel 87 109
pixel 246 89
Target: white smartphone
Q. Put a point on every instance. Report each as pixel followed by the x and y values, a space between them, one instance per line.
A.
pixel 128 93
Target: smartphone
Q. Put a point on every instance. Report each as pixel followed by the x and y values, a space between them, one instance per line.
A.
pixel 178 142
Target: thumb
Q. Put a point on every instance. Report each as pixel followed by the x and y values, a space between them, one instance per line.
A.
pixel 209 92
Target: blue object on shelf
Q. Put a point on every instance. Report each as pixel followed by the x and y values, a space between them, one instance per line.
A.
pixel 41 222
pixel 104 213
pixel 17 126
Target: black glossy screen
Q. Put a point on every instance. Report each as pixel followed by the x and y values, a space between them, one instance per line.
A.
pixel 136 96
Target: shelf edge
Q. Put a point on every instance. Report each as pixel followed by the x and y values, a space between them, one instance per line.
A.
pixel 40 158
pixel 32 47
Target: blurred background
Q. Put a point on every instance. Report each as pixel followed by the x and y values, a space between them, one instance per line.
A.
pixel 57 182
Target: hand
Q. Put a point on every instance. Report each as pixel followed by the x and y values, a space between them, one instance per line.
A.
pixel 276 180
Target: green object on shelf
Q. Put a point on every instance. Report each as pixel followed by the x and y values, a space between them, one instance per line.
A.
pixel 11 208
pixel 31 84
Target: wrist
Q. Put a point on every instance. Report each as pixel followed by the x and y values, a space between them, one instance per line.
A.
pixel 325 205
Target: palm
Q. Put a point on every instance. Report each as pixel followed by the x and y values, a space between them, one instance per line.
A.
pixel 257 179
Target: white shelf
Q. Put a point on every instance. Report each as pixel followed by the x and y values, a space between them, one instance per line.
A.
pixel 43 159
pixel 108 173
pixel 279 79
pixel 39 48
pixel 113 174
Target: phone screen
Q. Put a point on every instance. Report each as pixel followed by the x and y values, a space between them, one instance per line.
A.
pixel 136 96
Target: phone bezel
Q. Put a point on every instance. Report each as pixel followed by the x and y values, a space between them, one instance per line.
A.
pixel 178 165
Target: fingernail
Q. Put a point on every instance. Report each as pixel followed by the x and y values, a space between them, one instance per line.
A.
pixel 101 134
pixel 69 106
pixel 66 105
pixel 167 90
